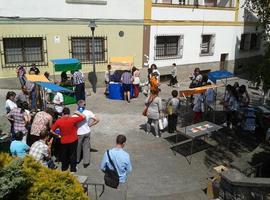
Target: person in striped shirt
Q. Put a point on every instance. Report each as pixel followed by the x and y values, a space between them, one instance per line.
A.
pixel 78 82
pixel 126 80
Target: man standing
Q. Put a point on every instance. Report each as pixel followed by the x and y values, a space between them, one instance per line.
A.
pixel 126 80
pixel 41 150
pixel 69 139
pixel 78 82
pixel 121 161
pixel 83 133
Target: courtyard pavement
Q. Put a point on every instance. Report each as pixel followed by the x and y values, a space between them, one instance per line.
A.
pixel 157 172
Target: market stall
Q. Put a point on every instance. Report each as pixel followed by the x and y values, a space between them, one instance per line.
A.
pixel 219 75
pixel 64 65
pixel 119 65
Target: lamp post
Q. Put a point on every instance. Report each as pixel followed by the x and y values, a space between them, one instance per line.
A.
pixel 93 78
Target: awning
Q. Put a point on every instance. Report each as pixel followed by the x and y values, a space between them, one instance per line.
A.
pixel 36 78
pixel 198 90
pixel 68 64
pixel 221 74
pixel 53 87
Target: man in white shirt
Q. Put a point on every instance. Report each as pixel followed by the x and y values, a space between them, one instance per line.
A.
pixel 83 133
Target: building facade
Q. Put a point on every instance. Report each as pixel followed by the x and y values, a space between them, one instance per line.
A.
pixel 210 34
pixel 38 31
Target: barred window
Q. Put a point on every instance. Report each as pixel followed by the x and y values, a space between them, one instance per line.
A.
pixel 81 48
pixel 207 45
pixel 23 50
pixel 169 47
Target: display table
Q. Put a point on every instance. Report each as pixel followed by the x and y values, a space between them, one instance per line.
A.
pixel 116 91
pixel 197 131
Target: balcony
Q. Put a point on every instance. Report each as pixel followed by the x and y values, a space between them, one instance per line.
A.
pixel 197 3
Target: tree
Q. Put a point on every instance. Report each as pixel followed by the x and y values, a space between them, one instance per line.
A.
pixel 261 9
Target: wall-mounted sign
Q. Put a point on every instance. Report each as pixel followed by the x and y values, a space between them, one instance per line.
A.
pixel 56 39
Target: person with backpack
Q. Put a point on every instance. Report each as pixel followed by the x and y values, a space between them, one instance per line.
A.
pixel 172 109
pixel 116 165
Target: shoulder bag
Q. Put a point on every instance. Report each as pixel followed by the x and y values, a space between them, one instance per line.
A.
pixel 111 177
pixel 144 113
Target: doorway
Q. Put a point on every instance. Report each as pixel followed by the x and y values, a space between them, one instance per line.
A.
pixel 224 61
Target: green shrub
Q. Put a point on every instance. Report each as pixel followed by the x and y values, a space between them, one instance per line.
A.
pixel 13 181
pixel 5 159
pixel 28 179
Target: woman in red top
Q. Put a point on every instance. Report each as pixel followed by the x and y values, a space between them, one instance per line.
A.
pixel 69 139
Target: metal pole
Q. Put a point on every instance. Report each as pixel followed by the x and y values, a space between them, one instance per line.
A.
pixel 94 60
pixel 93 52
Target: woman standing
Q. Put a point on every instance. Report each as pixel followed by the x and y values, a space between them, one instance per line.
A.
pixel 10 104
pixel 42 122
pixel 20 118
pixel 136 81
pixel 10 101
pixel 153 102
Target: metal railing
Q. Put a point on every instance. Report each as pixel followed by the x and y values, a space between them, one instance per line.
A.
pixel 236 186
pixel 207 3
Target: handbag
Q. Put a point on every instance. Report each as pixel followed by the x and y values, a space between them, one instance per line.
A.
pixel 144 113
pixel 111 177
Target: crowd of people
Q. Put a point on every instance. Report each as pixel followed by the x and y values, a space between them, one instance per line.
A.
pixel 43 132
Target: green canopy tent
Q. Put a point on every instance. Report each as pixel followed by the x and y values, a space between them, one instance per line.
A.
pixel 69 64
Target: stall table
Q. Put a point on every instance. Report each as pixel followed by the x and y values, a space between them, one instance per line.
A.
pixel 197 131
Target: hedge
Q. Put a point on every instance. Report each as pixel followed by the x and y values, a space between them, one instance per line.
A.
pixel 28 179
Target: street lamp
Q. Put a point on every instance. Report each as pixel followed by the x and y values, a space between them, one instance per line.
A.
pixel 93 26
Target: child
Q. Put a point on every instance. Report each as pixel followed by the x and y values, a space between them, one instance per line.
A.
pixel 18 147
pixel 172 108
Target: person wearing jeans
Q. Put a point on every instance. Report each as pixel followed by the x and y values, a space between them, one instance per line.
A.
pixel 69 139
pixel 83 133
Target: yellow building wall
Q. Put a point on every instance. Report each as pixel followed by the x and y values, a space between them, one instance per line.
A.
pixel 128 45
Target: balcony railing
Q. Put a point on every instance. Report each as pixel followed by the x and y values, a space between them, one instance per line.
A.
pixel 207 3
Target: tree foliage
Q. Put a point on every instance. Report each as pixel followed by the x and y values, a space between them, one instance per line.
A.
pixel 23 179
pixel 261 8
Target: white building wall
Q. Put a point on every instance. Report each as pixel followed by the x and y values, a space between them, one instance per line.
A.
pixel 114 9
pixel 227 41
pixel 162 13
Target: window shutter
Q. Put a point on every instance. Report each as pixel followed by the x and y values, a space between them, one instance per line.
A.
pixel 258 42
pixel 181 46
pixel 212 44
pixel 247 41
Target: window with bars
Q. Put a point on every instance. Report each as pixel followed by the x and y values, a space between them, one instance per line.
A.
pixel 81 48
pixel 207 45
pixel 169 47
pixel 23 50
pixel 250 41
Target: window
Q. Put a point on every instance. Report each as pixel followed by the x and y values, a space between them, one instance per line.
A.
pixel 23 50
pixel 207 45
pixel 169 47
pixel 81 48
pixel 250 41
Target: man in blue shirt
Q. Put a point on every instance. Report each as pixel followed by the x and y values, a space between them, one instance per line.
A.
pixel 18 147
pixel 121 160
